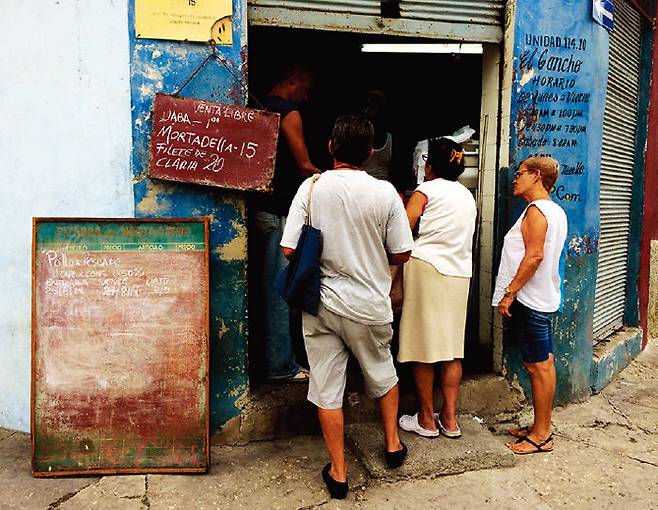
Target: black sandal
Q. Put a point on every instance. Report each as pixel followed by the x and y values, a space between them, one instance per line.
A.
pixel 538 447
pixel 395 459
pixel 338 490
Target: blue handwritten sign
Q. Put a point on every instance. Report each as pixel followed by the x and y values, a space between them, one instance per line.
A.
pixel 558 101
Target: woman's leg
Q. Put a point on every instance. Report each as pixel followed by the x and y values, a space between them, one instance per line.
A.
pixel 536 340
pixel 451 376
pixel 424 380
pixel 542 380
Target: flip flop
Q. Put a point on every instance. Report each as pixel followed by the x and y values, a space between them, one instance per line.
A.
pixel 410 424
pixel 300 377
pixel 452 434
pixel 337 490
pixel 539 448
pixel 520 432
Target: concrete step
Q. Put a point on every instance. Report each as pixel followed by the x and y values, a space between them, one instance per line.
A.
pixel 281 410
pixel 429 458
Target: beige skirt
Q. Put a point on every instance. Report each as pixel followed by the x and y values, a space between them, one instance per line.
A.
pixel 433 314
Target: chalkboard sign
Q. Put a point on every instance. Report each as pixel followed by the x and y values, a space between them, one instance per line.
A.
pixel 212 143
pixel 119 346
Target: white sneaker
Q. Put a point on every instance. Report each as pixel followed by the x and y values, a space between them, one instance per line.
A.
pixel 452 434
pixel 410 424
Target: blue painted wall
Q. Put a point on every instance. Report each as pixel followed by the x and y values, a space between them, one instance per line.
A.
pixel 558 97
pixel 163 66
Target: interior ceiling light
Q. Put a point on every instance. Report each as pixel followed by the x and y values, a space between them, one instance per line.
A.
pixel 473 49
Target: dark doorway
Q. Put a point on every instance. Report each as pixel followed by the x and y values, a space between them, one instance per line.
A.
pixel 427 95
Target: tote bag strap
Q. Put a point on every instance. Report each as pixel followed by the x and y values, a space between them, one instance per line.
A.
pixel 310 190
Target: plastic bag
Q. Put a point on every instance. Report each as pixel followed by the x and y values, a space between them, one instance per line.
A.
pixel 461 136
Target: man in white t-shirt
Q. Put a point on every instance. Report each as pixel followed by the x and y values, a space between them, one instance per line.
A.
pixel 364 229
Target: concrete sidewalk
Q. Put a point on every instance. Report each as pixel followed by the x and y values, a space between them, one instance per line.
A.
pixel 606 456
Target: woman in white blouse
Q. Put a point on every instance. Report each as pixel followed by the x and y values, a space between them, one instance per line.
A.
pixel 436 284
pixel 528 292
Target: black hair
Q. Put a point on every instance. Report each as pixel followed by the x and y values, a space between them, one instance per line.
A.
pixel 294 69
pixel 446 158
pixel 375 105
pixel 352 139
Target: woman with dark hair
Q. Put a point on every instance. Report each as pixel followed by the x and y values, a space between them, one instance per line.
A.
pixel 436 283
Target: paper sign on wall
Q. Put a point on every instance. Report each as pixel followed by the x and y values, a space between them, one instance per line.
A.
pixel 185 20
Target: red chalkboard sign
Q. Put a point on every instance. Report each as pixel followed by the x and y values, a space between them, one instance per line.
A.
pixel 120 347
pixel 214 144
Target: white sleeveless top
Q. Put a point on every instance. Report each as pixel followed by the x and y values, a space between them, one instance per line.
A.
pixel 379 164
pixel 543 292
pixel 445 232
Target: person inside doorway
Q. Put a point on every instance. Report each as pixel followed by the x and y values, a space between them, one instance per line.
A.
pixel 436 285
pixel 364 228
pixel 293 165
pixel 528 292
pixel 379 164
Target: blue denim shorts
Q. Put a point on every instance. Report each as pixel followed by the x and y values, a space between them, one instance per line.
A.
pixel 532 331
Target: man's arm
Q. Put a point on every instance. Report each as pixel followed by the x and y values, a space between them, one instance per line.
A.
pixel 533 229
pixel 292 129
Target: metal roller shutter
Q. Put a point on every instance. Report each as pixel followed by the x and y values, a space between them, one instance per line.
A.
pixel 617 164
pixel 455 11
pixel 463 20
pixel 371 7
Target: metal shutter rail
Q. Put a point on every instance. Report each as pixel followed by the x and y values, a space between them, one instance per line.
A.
pixel 371 7
pixel 617 162
pixel 456 20
pixel 455 11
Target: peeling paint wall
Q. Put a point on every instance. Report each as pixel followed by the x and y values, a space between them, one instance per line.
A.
pixel 558 97
pixel 164 66
pixel 503 162
pixel 64 149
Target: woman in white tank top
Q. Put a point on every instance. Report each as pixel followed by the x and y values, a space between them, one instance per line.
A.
pixel 528 291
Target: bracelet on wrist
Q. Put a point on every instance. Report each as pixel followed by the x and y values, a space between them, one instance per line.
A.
pixel 508 293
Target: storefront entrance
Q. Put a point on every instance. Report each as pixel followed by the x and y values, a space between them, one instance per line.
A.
pixel 427 95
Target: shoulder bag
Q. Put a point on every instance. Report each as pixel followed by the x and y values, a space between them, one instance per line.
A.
pixel 299 282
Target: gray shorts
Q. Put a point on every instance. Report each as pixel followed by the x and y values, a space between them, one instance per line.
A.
pixel 328 339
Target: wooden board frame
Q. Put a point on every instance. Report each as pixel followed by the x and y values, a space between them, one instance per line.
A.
pixel 115 471
pixel 221 145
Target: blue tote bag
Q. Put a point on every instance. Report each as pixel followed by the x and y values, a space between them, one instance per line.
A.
pixel 299 282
